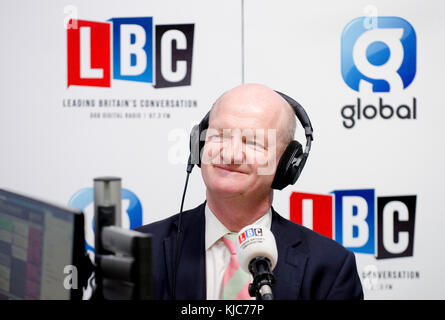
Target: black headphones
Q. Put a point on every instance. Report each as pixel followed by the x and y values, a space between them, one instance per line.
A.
pixel 291 162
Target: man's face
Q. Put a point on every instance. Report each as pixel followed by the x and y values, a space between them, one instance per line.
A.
pixel 242 147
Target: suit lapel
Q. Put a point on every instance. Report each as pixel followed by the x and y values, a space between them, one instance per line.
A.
pixel 191 274
pixel 292 258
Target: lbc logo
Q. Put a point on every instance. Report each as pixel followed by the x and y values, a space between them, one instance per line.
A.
pixel 353 222
pixel 91 50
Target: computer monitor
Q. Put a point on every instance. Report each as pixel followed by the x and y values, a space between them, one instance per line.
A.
pixel 39 242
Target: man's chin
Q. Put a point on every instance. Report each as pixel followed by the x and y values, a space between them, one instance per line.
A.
pixel 228 189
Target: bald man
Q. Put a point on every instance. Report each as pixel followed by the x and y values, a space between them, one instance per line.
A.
pixel 249 129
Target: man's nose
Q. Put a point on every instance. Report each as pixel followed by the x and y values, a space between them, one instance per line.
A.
pixel 233 151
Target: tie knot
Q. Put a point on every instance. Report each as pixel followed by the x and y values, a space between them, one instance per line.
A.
pixel 229 240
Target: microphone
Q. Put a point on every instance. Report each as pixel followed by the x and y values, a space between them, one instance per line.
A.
pixel 257 253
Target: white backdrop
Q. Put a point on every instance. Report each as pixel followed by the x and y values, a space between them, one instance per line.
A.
pixel 53 151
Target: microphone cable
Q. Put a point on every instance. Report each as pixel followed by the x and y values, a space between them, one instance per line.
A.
pixel 190 166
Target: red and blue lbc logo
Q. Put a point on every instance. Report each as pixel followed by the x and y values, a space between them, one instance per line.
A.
pixel 361 222
pixel 123 48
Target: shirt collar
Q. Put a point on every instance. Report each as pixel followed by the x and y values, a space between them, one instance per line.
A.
pixel 214 229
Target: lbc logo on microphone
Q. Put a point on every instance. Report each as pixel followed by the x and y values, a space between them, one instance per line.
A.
pixel 354 218
pixel 124 47
pixel 251 232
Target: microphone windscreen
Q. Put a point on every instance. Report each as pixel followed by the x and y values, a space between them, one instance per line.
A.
pixel 255 241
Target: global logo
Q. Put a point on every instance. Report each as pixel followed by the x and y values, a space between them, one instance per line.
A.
pixel 379 56
pixel 360 221
pixel 124 48
pixel 84 200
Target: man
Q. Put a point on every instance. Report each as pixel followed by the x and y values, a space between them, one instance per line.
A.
pixel 236 162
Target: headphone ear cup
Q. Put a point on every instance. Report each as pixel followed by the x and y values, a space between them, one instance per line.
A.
pixel 203 126
pixel 195 146
pixel 196 141
pixel 287 173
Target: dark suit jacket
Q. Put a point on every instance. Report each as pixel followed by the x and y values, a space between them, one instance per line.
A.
pixel 310 266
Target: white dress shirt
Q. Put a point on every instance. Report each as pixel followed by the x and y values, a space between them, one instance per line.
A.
pixel 217 254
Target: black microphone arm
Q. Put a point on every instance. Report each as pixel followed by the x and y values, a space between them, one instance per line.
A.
pixel 263 279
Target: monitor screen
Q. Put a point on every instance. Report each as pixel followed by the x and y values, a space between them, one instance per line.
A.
pixel 39 242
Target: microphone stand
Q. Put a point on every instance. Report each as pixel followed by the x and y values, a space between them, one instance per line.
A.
pixel 263 279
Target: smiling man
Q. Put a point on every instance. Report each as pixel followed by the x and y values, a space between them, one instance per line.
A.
pixel 241 141
pixel 250 127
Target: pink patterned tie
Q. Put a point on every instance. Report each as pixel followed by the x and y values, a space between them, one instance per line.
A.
pixel 236 281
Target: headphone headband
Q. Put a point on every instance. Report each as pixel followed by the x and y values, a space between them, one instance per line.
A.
pixel 300 113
